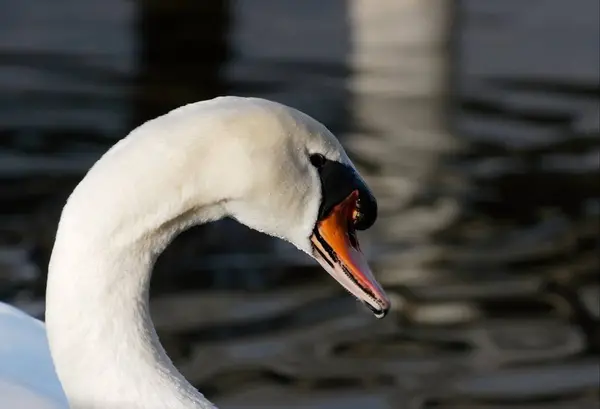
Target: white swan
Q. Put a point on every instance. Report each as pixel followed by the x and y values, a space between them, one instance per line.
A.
pixel 270 167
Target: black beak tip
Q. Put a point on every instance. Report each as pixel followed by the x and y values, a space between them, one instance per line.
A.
pixel 378 312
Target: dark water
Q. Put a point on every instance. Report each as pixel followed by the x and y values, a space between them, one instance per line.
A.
pixel 488 238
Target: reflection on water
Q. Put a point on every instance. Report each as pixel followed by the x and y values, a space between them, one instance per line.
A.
pixel 488 237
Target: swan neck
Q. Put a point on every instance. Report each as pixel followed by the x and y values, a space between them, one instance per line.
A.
pixel 106 350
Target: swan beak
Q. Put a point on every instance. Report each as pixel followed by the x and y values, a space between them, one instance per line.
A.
pixel 336 248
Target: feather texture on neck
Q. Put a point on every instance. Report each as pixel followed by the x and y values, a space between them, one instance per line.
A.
pixel 245 158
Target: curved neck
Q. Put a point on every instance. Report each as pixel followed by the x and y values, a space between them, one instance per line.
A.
pixel 103 342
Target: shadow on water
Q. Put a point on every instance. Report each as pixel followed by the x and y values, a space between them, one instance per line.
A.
pixel 507 313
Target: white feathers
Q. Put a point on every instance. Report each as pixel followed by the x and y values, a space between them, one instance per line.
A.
pixel 242 157
pixel 26 369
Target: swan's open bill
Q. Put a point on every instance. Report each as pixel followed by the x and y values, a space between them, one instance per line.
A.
pixel 347 205
pixel 336 248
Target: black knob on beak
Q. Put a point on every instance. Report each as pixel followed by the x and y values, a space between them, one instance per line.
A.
pixel 338 181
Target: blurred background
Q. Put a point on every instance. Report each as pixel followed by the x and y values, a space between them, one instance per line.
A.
pixel 476 123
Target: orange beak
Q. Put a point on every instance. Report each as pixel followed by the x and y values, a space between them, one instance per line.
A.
pixel 336 248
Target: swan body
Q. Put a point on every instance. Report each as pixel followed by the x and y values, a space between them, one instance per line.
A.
pixel 27 376
pixel 266 165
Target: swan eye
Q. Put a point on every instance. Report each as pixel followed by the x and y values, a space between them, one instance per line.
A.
pixel 317 160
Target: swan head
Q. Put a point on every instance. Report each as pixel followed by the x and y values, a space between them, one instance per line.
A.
pixel 298 184
pixel 266 165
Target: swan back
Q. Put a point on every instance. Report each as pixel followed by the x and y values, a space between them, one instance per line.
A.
pixel 27 376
